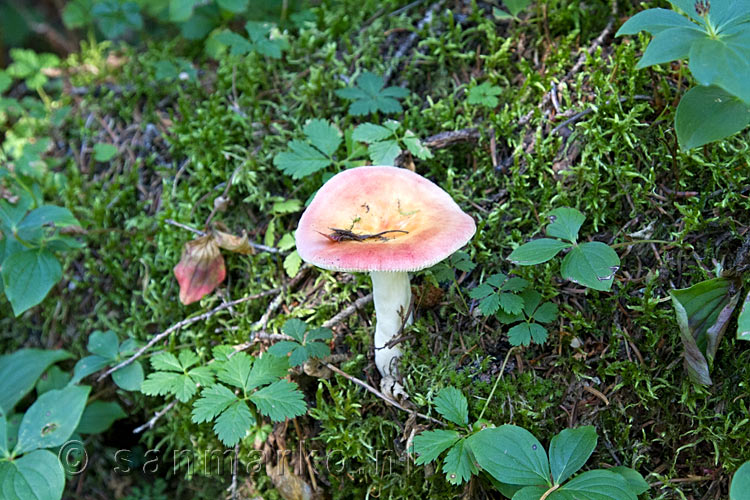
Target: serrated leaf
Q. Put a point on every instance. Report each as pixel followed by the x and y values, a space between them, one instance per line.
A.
pixel 511 455
pixel 481 291
pixel 370 97
pixel 202 375
pixel 369 132
pixel 236 371
pixel 319 334
pixel 514 285
pixel 510 303
pixel 591 264
pixel 565 222
pixel 187 358
pixel 537 251
pixel 428 445
pixel 452 405
pixel 707 114
pixel 317 350
pixel 282 348
pixel 266 370
pixel 484 94
pixel 292 263
pixel 323 135
pixel 165 361
pixel 415 146
pixel 384 153
pixel 301 160
pixel 490 304
pixel 458 465
pixel 160 383
pixel 233 423
pixel 213 400
pixel 296 329
pixel 279 401
pixel 570 450
pixel 520 334
pixel 546 313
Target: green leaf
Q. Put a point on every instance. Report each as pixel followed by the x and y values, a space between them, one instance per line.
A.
pixel 481 291
pixel 103 344
pixel 296 329
pixel 319 334
pixel 181 10
pixel 292 263
pixel 129 377
pixel 724 62
pixel 28 276
pixel 316 350
pixel 415 146
pixel 703 313
pixel 213 400
pixel 5 80
pixel 301 160
pixel 707 114
pixel 546 313
pixel 53 378
pixel 655 21
pixel 743 321
pixel 740 483
pixel 595 485
pixel 369 96
pixel 511 455
pixel 4 450
pixel 570 450
pixel 511 303
pixel 88 365
pixel 452 405
pixel 279 401
pixel 238 45
pixel 458 465
pixel 99 416
pixel 166 361
pixel 235 6
pixel 267 369
pixel 48 214
pixel 514 285
pixel 490 304
pixel 36 476
pixel 283 348
pixel 384 153
pixel 537 251
pixel 565 223
pixel 114 17
pixel 429 445
pixel 591 264
pixel 20 370
pixel 524 333
pixel 635 481
pixel 323 135
pixel 104 152
pixel 670 45
pixel 233 423
pixel 236 371
pixel 369 132
pixel 531 493
pixel 162 383
pixel 77 13
pixel 52 418
pixel 485 95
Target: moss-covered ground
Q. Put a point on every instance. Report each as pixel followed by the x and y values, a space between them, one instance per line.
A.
pixel 613 359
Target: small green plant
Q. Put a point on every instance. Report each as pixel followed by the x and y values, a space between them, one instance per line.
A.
pixel 499 291
pixel 714 37
pixel 484 95
pixel 385 144
pixel 258 389
pixel 176 375
pixel 306 344
pixel 369 95
pixel 514 7
pixel 108 351
pixel 528 321
pixel 740 483
pixel 259 41
pixel 29 66
pixel 592 264
pixel 445 271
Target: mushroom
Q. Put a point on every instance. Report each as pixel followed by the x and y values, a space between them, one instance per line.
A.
pixel 387 221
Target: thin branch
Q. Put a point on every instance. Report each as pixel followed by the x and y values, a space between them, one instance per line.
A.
pixel 379 394
pixel 184 323
pixel 256 246
pixel 150 424
pixel 348 311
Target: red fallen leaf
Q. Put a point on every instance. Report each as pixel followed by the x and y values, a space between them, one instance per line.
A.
pixel 200 270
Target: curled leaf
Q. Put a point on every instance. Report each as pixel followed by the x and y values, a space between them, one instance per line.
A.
pixel 201 268
pixel 237 244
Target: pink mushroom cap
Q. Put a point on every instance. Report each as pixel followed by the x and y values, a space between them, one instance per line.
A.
pixel 369 200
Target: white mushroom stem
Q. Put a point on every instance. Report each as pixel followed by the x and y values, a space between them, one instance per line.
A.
pixel 391 293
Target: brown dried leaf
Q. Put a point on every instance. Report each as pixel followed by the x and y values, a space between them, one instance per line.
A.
pixel 200 270
pixel 237 244
pixel 289 485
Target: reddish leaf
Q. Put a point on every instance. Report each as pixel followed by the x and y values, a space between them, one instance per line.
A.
pixel 200 270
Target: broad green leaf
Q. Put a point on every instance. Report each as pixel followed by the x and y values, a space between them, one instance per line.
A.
pixel 384 153
pixel 103 344
pixel 565 223
pixel 129 377
pixel 20 370
pixel 707 114
pixel 181 10
pixel 570 450
pixel 530 493
pixel 428 445
pixel 595 485
pixel 267 369
pixel 53 378
pixel 452 405
pixel 740 483
pixel 703 312
pixel 5 80
pixel 670 45
pixel 514 285
pixel 458 465
pixel 531 300
pixel 369 132
pixel 166 361
pixel 511 455
pixel 729 13
pixel 213 400
pixel 36 476
pixel 510 303
pixel 296 329
pixel 235 6
pixel 99 416
pixel 4 435
pixel 88 365
pixel 655 21
pixel 236 371
pixel 52 418
pixel 743 321
pixel 300 160
pixel 688 7
pixel 28 276
pixel 46 214
pixel 537 251
pixel 635 481
pixel 77 13
pixel 723 62
pixel 233 423
pixel 279 401
pixel 104 152
pixel 490 304
pixel 592 264
pixel 323 135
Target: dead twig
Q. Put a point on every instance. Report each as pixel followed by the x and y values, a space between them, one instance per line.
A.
pixel 152 421
pixel 348 311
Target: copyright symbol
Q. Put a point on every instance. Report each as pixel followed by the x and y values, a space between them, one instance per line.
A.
pixel 73 457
